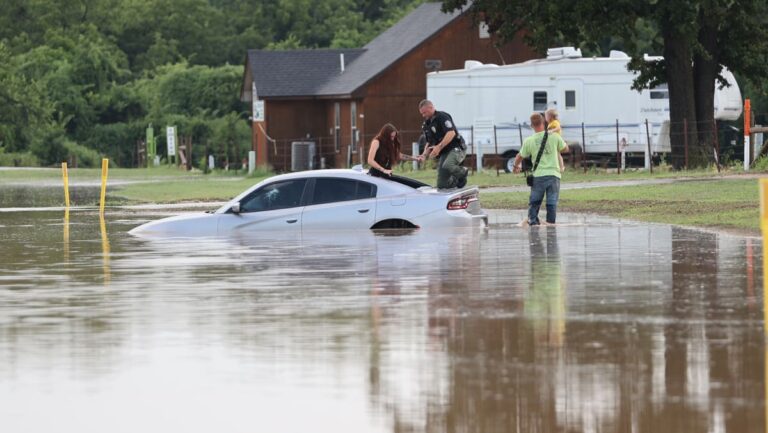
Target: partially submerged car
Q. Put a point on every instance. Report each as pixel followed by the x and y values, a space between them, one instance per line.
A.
pixel 343 199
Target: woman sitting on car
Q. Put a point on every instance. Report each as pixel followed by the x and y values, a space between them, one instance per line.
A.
pixel 385 153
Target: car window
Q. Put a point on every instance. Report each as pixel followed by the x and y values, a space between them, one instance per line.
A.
pixel 278 195
pixel 331 190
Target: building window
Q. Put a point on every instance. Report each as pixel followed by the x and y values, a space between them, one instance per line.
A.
pixel 483 31
pixel 353 122
pixel 539 101
pixel 570 99
pixel 337 126
pixel 433 64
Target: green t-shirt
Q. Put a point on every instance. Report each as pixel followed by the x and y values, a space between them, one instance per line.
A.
pixel 550 163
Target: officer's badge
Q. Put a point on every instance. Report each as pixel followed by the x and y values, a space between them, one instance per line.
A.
pixel 434 129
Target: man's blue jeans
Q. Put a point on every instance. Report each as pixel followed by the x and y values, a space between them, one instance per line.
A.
pixel 549 185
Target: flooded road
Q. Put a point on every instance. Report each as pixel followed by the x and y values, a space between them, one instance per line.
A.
pixel 596 325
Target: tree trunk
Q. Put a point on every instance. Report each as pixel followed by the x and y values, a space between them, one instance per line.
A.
pixel 705 70
pixel 682 108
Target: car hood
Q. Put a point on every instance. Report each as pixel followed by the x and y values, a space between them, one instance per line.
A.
pixel 188 225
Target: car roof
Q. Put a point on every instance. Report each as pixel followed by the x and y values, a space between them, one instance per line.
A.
pixel 386 187
pixel 391 186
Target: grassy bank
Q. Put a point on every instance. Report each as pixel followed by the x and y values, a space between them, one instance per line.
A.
pixel 93 174
pixel 175 191
pixel 714 203
pixel 155 185
pixel 489 177
pixel 706 200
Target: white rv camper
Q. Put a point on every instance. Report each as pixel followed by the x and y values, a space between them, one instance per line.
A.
pixel 492 104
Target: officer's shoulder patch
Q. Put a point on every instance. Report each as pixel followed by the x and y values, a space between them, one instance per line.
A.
pixel 448 124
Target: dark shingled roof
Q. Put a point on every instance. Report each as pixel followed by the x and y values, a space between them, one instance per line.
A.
pixel 318 72
pixel 295 73
pixel 400 39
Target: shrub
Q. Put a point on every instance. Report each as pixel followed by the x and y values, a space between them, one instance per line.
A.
pixel 18 159
pixel 761 164
pixel 85 156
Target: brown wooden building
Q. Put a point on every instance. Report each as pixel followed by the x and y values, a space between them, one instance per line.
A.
pixel 334 101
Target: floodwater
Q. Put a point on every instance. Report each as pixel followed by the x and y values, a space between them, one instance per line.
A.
pixel 595 325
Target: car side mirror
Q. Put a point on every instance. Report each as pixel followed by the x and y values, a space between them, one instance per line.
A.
pixel 235 208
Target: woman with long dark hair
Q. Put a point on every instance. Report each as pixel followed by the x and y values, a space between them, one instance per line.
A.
pixel 385 152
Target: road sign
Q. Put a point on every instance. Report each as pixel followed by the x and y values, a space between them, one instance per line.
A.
pixel 171 140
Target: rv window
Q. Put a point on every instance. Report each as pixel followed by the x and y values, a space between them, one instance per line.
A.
pixel 570 99
pixel 660 92
pixel 539 101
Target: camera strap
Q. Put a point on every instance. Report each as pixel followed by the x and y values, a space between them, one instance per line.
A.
pixel 541 150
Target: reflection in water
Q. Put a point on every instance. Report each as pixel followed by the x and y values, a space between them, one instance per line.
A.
pixel 104 247
pixel 602 327
pixel 66 235
pixel 545 301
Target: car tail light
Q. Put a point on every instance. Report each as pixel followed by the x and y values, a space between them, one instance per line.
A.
pixel 461 202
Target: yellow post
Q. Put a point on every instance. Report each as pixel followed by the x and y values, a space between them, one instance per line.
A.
pixel 65 176
pixel 104 171
pixel 764 229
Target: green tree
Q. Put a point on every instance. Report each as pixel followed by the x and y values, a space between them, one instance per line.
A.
pixel 74 70
pixel 24 110
pixel 696 39
pixel 79 77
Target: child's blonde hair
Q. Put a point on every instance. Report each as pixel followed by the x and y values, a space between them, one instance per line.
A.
pixel 551 113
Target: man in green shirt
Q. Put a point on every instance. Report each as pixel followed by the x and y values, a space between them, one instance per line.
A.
pixel 546 177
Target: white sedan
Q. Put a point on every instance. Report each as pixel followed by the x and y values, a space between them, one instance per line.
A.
pixel 328 200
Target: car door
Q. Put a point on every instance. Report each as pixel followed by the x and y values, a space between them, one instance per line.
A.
pixel 339 204
pixel 274 207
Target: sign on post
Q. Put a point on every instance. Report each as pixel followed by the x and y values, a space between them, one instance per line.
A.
pixel 171 140
pixel 151 149
pixel 258 111
pixel 258 105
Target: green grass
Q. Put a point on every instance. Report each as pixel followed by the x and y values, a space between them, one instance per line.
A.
pixel 716 203
pixel 175 191
pixel 709 200
pixel 489 177
pixel 484 179
pixel 163 172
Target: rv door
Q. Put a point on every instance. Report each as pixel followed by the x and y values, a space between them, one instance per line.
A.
pixel 569 102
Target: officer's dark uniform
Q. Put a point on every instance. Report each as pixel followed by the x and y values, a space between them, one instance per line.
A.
pixel 450 173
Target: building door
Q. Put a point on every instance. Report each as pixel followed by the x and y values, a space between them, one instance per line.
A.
pixel 353 125
pixel 337 126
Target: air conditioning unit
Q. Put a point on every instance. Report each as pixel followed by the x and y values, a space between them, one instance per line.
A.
pixel 563 53
pixel 302 155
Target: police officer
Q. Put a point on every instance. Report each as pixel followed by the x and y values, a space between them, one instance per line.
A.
pixel 445 143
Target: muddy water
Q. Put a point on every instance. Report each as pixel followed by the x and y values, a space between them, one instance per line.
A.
pixel 594 326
